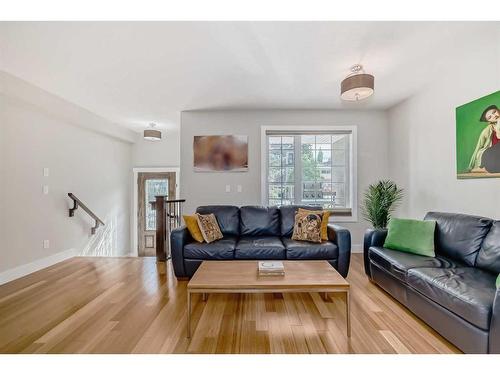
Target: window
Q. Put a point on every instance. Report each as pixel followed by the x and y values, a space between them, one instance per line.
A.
pixel 310 167
pixel 154 187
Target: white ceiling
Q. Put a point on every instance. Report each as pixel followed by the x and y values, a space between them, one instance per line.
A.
pixel 136 72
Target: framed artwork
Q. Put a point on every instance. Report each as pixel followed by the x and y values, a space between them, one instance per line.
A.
pixel 220 153
pixel 478 138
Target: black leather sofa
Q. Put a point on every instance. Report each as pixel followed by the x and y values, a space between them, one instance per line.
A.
pixel 260 233
pixel 454 292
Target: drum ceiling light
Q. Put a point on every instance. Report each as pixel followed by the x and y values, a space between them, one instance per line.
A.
pixel 357 85
pixel 152 134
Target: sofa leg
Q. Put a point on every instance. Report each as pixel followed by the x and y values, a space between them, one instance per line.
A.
pixel 205 296
pixel 182 278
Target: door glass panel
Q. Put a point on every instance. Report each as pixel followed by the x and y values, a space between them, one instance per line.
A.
pixel 153 188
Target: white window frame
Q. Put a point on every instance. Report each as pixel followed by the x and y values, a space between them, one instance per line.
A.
pixel 353 161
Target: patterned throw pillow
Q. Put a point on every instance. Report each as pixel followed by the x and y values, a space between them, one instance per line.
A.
pixel 307 227
pixel 325 216
pixel 209 227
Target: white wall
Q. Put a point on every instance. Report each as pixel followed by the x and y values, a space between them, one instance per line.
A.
pixel 422 136
pixel 164 153
pixel 96 167
pixel 209 188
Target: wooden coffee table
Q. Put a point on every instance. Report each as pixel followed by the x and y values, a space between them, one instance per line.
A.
pixel 242 277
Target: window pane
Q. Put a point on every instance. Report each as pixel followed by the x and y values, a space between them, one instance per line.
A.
pixel 287 158
pixel 339 190
pixel 339 142
pixel 281 194
pixel 307 139
pixel 323 157
pixel 288 192
pixel 274 191
pixel 288 175
pixel 274 142
pixel 274 174
pixel 153 188
pixel 310 191
pixel 309 170
pixel 339 157
pixel 325 174
pixel 288 143
pixel 274 202
pixel 338 174
pixel 324 140
pixel 275 158
pixel 340 202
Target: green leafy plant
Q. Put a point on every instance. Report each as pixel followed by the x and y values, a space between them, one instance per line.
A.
pixel 380 201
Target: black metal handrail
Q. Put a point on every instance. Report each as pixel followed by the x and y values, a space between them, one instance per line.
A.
pixel 78 203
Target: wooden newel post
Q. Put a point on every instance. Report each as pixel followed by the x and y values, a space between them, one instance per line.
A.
pixel 161 229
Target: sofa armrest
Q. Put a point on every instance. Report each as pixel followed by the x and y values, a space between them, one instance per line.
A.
pixel 373 237
pixel 494 344
pixel 179 237
pixel 341 237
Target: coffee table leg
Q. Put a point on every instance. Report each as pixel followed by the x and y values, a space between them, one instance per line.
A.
pixel 189 314
pixel 348 313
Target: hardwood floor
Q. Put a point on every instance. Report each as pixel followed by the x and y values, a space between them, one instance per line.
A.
pixel 131 305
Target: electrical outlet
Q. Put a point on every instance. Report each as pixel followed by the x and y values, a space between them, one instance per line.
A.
pixel 46 244
pixel 228 188
pixel 46 189
pixel 239 188
pixel 45 172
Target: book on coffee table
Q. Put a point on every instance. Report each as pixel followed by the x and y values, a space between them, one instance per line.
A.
pixel 271 268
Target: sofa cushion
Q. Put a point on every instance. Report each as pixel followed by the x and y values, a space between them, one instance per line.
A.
pixel 488 257
pixel 221 249
pixel 411 236
pixel 466 291
pixel 209 227
pixel 307 226
pixel 259 247
pixel 191 222
pixel 308 250
pixel 459 236
pixel 259 221
pixel 287 216
pixel 228 218
pixel 398 263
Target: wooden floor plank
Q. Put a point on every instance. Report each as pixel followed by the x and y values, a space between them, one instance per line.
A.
pixel 133 305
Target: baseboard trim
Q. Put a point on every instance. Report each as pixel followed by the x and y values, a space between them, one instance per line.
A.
pixel 26 269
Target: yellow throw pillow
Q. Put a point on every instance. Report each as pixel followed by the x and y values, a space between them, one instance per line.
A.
pixel 325 216
pixel 209 227
pixel 193 227
pixel 307 226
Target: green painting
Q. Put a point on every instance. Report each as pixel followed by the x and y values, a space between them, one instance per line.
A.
pixel 478 138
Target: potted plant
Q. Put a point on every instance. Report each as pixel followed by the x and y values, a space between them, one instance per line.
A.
pixel 379 202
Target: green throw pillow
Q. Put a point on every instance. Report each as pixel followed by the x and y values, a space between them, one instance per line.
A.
pixel 498 282
pixel 411 236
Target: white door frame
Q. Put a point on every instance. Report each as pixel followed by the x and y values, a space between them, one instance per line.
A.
pixel 135 198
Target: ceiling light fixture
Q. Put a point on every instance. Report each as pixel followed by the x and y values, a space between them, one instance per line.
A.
pixel 357 85
pixel 152 134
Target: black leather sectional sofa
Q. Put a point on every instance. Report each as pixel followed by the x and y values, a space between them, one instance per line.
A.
pixel 260 233
pixel 454 292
